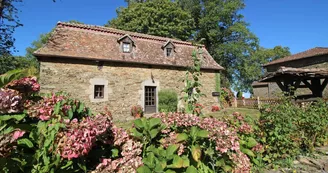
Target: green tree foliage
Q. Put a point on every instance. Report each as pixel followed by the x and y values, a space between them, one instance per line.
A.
pixel 218 22
pixel 252 66
pixel 8 62
pixel 8 23
pixel 157 17
pixel 226 34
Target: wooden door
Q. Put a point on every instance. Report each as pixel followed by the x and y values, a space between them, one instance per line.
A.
pixel 150 99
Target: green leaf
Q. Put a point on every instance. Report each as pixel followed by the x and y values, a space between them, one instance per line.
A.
pixel 153 133
pixel 154 121
pixel 69 163
pixel 26 142
pixel 171 150
pixel 136 133
pixel 182 137
pixel 143 169
pixel 202 134
pixel 114 152
pixel 227 168
pixel 251 142
pixel 138 123
pixel 170 171
pixel 177 162
pixel 248 152
pixel 186 161
pixel 57 108
pixel 196 152
pixel 193 131
pixel 81 107
pixel 191 169
pixel 17 117
pixel 149 160
pixel 70 114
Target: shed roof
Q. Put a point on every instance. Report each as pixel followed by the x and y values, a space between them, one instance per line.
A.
pixel 101 43
pixel 317 51
pixel 295 74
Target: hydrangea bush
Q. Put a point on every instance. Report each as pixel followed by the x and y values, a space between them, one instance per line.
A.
pixel 211 143
pixel 53 133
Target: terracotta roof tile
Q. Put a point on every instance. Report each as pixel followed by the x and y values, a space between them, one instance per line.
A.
pixel 101 43
pixel 317 51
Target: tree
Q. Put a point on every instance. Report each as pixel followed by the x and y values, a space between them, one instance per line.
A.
pixel 8 62
pixel 226 35
pixel 8 23
pixel 156 17
pixel 253 65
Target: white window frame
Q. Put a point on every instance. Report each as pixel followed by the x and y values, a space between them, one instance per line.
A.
pixel 126 47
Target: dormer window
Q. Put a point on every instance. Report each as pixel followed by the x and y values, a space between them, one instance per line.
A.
pixel 126 44
pixel 126 47
pixel 168 48
pixel 168 51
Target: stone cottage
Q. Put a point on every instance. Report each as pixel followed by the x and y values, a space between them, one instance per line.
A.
pixel 313 58
pixel 106 67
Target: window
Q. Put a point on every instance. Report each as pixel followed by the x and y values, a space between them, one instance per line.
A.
pixel 99 91
pixel 126 47
pixel 168 51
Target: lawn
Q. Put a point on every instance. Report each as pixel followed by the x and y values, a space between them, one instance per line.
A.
pixel 254 113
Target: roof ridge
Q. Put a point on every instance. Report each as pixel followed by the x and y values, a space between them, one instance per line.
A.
pixel 123 32
pixel 319 47
pixel 307 53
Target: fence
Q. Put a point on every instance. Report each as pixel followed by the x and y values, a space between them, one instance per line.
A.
pixel 256 103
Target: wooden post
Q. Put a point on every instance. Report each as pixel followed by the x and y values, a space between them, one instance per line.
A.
pixel 236 104
pixel 258 103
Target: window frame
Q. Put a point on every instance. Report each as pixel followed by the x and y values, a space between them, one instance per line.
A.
pixel 167 51
pixel 123 47
pixel 99 91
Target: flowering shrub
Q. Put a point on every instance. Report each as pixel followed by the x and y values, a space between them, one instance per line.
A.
pixel 290 130
pixel 24 85
pixel 215 108
pixel 226 97
pixel 79 137
pixel 136 111
pixel 208 139
pixel 8 142
pixel 198 109
pixel 10 101
pixel 248 136
pixel 59 134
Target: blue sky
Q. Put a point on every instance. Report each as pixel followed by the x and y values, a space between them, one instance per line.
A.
pixel 298 24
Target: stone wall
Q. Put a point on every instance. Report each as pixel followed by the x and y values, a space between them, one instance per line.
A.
pixel 261 91
pixel 124 83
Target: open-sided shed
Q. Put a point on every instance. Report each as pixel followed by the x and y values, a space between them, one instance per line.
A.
pixel 290 79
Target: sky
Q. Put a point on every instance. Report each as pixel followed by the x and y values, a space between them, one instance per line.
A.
pixel 297 24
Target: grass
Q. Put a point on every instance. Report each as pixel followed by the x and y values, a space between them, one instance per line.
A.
pixel 254 113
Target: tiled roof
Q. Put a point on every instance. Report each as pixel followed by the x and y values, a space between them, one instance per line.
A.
pixel 317 51
pixel 101 43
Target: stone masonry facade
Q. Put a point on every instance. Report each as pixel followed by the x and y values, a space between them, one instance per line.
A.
pixel 124 83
